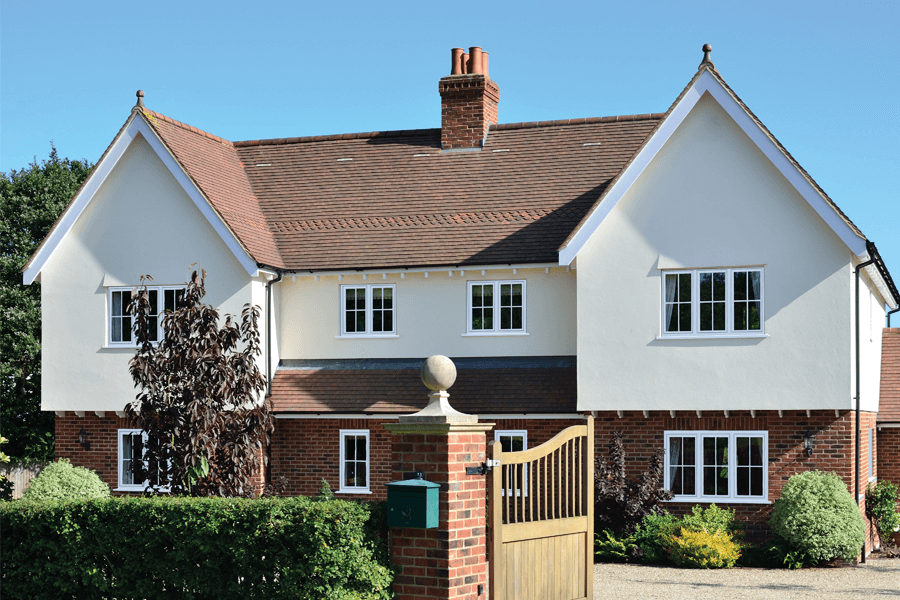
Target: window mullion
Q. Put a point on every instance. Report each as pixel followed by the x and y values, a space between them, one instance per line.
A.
pixel 695 301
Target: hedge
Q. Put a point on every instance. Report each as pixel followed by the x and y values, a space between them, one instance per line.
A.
pixel 194 548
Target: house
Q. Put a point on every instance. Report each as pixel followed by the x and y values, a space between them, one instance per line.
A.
pixel 888 420
pixel 679 274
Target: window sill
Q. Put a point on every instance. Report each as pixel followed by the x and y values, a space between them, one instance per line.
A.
pixel 352 491
pixel 720 500
pixel 712 336
pixel 495 334
pixel 367 336
pixel 137 490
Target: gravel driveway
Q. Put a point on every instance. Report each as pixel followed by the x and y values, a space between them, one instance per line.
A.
pixel 878 578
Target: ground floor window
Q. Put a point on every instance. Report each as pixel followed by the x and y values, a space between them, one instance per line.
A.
pixel 717 466
pixel 130 449
pixel 354 461
pixel 514 440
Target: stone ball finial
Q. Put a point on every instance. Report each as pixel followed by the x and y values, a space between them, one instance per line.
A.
pixel 140 99
pixel 438 373
pixel 707 49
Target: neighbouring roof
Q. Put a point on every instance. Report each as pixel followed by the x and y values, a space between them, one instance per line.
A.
pixel 394 199
pixel 533 385
pixel 889 400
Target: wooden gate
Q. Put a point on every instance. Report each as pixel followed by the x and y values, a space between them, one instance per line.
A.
pixel 542 519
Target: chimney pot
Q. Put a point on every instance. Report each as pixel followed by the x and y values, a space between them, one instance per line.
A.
pixel 484 64
pixel 456 55
pixel 466 64
pixel 475 60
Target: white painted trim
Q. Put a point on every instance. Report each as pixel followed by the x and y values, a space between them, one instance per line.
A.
pixel 134 126
pixel 553 267
pixel 366 336
pixel 121 414
pixel 361 489
pixel 100 413
pixel 732 497
pixel 61 414
pixel 887 425
pixel 394 416
pixel 496 334
pixel 496 308
pixel 79 413
pixel 706 82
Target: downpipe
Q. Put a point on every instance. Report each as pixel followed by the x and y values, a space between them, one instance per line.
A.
pixel 859 267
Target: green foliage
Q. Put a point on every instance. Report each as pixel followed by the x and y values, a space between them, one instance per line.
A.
pixel 703 549
pixel 5 483
pixel 818 518
pixel 185 547
pixel 881 508
pixel 652 537
pixel 61 481
pixel 325 492
pixel 609 547
pixel 30 201
pixel 712 520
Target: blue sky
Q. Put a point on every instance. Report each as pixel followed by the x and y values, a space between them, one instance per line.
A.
pixel 823 76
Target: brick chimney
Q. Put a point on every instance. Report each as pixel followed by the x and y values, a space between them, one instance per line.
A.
pixel 468 100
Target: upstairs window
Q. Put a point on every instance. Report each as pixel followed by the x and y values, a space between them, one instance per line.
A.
pixel 368 310
pixel 496 307
pixel 710 302
pixel 121 321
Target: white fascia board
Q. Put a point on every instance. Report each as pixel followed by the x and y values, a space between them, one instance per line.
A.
pixel 708 83
pixel 136 126
pixel 880 284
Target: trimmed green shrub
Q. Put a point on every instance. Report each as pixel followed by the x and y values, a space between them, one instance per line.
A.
pixel 712 520
pixel 817 517
pixel 881 508
pixel 703 550
pixel 652 536
pixel 608 547
pixel 193 548
pixel 61 481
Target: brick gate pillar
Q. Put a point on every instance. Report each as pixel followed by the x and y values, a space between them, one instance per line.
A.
pixel 448 561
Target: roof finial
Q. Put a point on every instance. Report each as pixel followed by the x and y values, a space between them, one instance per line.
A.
pixel 140 100
pixel 706 60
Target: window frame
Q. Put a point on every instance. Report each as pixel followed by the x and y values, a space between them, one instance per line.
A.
pixel 695 304
pixel 120 450
pixel 161 305
pixel 732 497
pixel 496 330
pixel 369 310
pixel 342 466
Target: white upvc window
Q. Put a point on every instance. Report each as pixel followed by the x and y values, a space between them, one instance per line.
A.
pixel 713 302
pixel 717 466
pixel 496 307
pixel 514 440
pixel 131 448
pixel 368 310
pixel 354 461
pixel 121 322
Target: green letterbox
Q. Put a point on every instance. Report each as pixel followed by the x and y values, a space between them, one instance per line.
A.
pixel 413 503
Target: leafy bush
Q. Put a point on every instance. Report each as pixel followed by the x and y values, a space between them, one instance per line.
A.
pixel 652 536
pixel 621 504
pixel 61 481
pixel 817 517
pixel 193 548
pixel 703 550
pixel 881 508
pixel 712 520
pixel 609 547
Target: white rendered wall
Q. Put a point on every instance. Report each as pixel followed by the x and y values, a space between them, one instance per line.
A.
pixel 431 316
pixel 140 221
pixel 871 322
pixel 711 199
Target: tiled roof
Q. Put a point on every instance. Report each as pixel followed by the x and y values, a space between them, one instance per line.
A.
pixel 393 199
pixel 215 168
pixel 483 386
pixel 889 402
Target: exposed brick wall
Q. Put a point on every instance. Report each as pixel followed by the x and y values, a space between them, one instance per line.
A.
pixel 833 448
pixel 103 454
pixel 305 451
pixel 468 108
pixel 888 445
pixel 451 560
